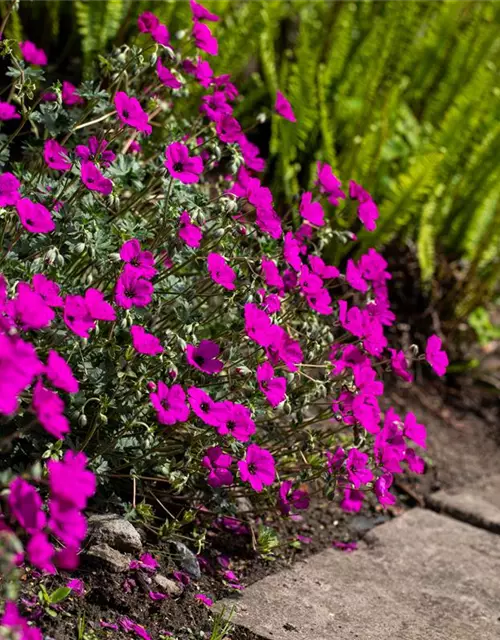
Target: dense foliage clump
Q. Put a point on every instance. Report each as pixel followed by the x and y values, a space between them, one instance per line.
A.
pixel 159 317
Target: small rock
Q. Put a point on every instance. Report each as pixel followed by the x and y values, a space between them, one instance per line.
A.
pixel 169 586
pixel 114 531
pixel 111 559
pixel 188 561
pixel 243 505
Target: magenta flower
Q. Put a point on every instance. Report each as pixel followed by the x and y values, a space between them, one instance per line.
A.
pixel 309 282
pixel 285 348
pixel 9 189
pixel 287 498
pixel 161 35
pixel 146 562
pixel 204 357
pixel 181 165
pixel 257 325
pixel 436 356
pixel 291 252
pixel 28 310
pixel 228 129
pixel 145 343
pixel 98 308
pixel 170 403
pixel 311 211
pixel 130 112
pixel 132 290
pixel 69 94
pixel 203 406
pixel 217 462
pixel 70 481
pixel 356 464
pixel 329 184
pixel 56 156
pixel 204 40
pixel 25 504
pixel 141 262
pixel 346 547
pixel 77 316
pixel 235 420
pixel 200 13
pixel 352 500
pixel 415 463
pixel 367 210
pixel 13 621
pixel 415 431
pixel 166 76
pixel 189 232
pixel 354 277
pixel 381 488
pixel 208 602
pixel 34 217
pixel 271 273
pixel 257 468
pixel 335 460
pixel 399 365
pixel 76 585
pixel 8 111
pixel 273 387
pixel 321 269
pixel 147 21
pixel 220 271
pixel 251 155
pixel 93 179
pixel 283 108
pixel 32 54
pixel 60 374
pixel 48 290
pixel 156 595
pixel 368 214
pixel 41 552
pixel 49 408
pixel 96 151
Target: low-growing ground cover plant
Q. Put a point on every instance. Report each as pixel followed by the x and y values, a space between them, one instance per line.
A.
pixel 163 330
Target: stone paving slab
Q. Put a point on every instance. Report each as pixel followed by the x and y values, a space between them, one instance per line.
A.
pixel 477 504
pixel 422 576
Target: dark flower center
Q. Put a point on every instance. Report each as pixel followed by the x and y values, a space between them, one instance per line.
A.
pixel 178 166
pixel 125 113
pixel 251 468
pixel 205 407
pixel 129 293
pixel 264 384
pixel 164 404
pixel 199 360
pixel 231 424
pixel 91 180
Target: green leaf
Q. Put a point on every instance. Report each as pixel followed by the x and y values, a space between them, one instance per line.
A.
pixel 59 595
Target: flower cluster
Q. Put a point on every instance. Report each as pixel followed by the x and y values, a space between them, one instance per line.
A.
pixel 191 325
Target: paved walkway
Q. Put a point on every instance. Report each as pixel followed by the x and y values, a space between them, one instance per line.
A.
pixel 422 576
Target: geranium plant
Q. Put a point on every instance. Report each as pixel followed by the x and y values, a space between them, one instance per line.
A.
pixel 160 317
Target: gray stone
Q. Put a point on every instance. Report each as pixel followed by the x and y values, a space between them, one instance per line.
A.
pixel 422 576
pixel 171 587
pixel 187 560
pixel 477 504
pixel 114 531
pixel 102 555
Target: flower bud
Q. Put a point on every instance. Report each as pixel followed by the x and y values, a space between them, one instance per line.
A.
pixel 82 420
pixel 80 247
pixel 151 386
